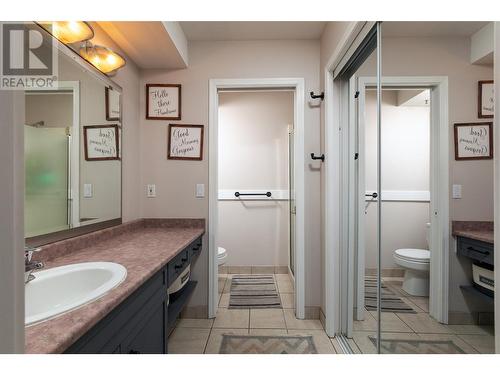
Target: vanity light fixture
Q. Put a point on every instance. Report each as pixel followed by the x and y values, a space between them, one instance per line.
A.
pixel 69 32
pixel 103 58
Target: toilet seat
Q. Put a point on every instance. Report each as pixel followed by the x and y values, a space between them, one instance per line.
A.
pixel 221 255
pixel 414 255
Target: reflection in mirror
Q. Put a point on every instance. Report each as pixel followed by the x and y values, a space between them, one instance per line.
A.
pixel 65 189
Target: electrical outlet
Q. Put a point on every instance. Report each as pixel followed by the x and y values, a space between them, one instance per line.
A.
pixel 457 191
pixel 200 190
pixel 151 191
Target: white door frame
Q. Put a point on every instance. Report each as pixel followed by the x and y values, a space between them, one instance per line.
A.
pixel 297 84
pixel 74 151
pixel 439 186
pixel 335 117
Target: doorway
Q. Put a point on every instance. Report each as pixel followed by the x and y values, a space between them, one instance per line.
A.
pixel 293 195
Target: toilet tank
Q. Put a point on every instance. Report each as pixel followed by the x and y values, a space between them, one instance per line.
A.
pixel 428 234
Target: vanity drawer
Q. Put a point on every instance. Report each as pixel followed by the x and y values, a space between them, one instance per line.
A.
pixel 477 250
pixel 177 265
pixel 195 248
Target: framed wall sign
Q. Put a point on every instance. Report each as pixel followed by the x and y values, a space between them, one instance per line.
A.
pixel 486 99
pixel 474 141
pixel 101 142
pixel 112 104
pixel 185 142
pixel 163 101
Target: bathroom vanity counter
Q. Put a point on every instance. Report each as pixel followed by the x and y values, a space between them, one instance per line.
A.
pixel 475 230
pixel 143 247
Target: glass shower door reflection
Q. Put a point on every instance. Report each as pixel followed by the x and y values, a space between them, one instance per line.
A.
pixel 46 185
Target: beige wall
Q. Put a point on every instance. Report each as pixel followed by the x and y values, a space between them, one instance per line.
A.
pixel 128 78
pixel 449 56
pixel 253 155
pixel 56 110
pixel 175 180
pixel 405 167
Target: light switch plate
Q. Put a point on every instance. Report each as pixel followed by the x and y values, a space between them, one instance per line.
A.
pixel 200 190
pixel 87 191
pixel 457 191
pixel 151 191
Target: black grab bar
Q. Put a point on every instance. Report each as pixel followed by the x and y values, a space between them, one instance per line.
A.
pixel 238 194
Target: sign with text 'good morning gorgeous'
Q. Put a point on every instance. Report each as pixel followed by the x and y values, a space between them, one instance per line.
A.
pixel 101 142
pixel 474 141
pixel 163 101
pixel 185 142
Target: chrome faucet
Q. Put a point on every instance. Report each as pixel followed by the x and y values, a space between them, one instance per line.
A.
pixel 29 265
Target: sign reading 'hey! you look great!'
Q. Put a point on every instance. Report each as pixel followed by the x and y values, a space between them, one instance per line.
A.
pixel 474 141
pixel 185 142
pixel 163 101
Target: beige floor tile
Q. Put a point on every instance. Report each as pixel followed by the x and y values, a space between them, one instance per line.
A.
pixel 237 318
pixel 421 302
pixel 368 324
pixel 320 339
pixel 285 286
pixel 423 323
pixel 471 329
pixel 283 277
pixel 227 286
pixel 391 322
pixel 354 347
pixel 240 270
pixel 195 323
pixel 287 300
pixel 466 348
pixel 368 346
pixel 215 339
pixel 188 340
pixel 293 323
pixel 262 270
pixel 336 346
pixel 482 343
pixel 267 318
pixel 267 332
pixel 224 300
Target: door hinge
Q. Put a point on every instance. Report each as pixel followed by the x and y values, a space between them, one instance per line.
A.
pixel 356 95
pixel 356 155
pixel 294 210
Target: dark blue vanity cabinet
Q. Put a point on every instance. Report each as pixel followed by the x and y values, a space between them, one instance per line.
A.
pixel 141 323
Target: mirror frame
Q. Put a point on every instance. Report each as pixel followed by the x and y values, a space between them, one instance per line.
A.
pixel 72 55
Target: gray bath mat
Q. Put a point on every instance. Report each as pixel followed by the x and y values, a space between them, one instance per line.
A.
pixel 391 302
pixel 394 346
pixel 241 344
pixel 253 292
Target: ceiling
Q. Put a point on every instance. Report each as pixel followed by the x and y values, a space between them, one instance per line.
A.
pixel 425 29
pixel 261 30
pixel 147 43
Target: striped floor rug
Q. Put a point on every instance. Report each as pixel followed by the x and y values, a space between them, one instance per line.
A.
pixel 253 292
pixel 391 302
pixel 241 344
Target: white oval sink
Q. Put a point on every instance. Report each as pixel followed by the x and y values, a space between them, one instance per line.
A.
pixel 61 289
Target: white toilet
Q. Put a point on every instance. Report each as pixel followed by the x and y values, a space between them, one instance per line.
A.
pixel 221 256
pixel 416 263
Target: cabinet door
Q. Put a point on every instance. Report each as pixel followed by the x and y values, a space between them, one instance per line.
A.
pixel 149 338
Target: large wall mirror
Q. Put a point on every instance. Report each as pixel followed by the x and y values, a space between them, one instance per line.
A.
pixel 72 137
